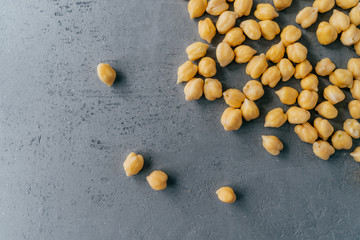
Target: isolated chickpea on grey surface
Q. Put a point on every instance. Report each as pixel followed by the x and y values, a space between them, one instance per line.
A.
pixel 194 89
pixel 231 119
pixel 186 72
pixel 106 73
pixel 133 164
pixel 323 149
pixel 226 194
pixel 272 144
pixel 157 180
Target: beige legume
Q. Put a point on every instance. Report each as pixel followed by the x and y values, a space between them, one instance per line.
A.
pixel 324 128
pixel 354 67
pixel 226 195
pixel 326 33
pixel 234 37
pixel 350 36
pixel 324 5
pixel 269 29
pixel 307 99
pixel 212 89
pixel 286 69
pixel 106 74
pixel 346 4
pixel 271 77
pixel 226 21
pixel 133 164
pixel 253 90
pixel 282 4
pixel 307 16
pixel 194 89
pixel 244 53
pixel 302 69
pixel 340 21
pixel 256 66
pixel 297 115
pixel 287 95
pixel 207 30
pixel 310 82
pixel 231 119
pixel 342 78
pixel 355 15
pixel 333 94
pixel 265 11
pixel 341 140
pixel 290 34
pixel 157 180
pixel 186 72
pixel 272 144
pixel 306 133
pixel 196 50
pixel 249 110
pixel 296 52
pixel 275 118
pixel 224 54
pixel 354 109
pixel 243 7
pixel 323 149
pixel 352 127
pixel 217 7
pixel 207 67
pixel 251 29
pixel 327 110
pixel 355 90
pixel 234 98
pixel 196 8
pixel 325 67
pixel 276 53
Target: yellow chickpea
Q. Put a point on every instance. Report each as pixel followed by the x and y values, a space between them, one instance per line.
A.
pixel 243 7
pixel 271 77
pixel 354 67
pixel 106 74
pixel 355 90
pixel 217 7
pixel 282 4
pixel 303 69
pixel 290 34
pixel 272 144
pixel 186 72
pixel 269 29
pixel 342 78
pixel 324 128
pixel 194 89
pixel 287 95
pixel 253 90
pixel 323 149
pixel 157 180
pixel 296 52
pixel 231 119
pixel 341 140
pixel 234 98
pixel 355 15
pixel 346 4
pixel 276 53
pixel 310 82
pixel 297 115
pixel 306 133
pixel 212 89
pixel 350 36
pixel 196 50
pixel 352 127
pixel 265 11
pixel 226 195
pixel 256 66
pixel 244 53
pixel 133 164
pixel 207 30
pixel 286 69
pixel 333 94
pixel 224 54
pixel 340 21
pixel 325 67
pixel 354 109
pixel 226 21
pixel 307 16
pixel 234 37
pixel 207 67
pixel 326 33
pixel 327 110
pixel 356 154
pixel 251 29
pixel 324 5
pixel 307 99
pixel 249 110
pixel 357 48
pixel 275 118
pixel 196 8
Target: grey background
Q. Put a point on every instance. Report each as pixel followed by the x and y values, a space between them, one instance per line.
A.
pixel 64 134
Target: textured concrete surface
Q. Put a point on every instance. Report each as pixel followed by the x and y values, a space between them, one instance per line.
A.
pixel 64 134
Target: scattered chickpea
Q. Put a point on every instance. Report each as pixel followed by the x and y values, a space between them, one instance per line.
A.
pixel 357 48
pixel 234 37
pixel 356 154
pixel 355 90
pixel 303 69
pixel 157 180
pixel 276 53
pixel 207 67
pixel 324 128
pixel 350 36
pixel 342 78
pixel 296 52
pixel 224 54
pixel 106 73
pixel 196 50
pixel 286 68
pixel 352 127
pixel 265 11
pixel 272 144
pixel 249 110
pixel 355 15
pixel 234 98
pixel 323 149
pixel 186 72
pixel 326 33
pixel 226 195
pixel 256 66
pixel 194 89
pixel 133 164
pixel 212 89
pixel 333 94
pixel 196 8
pixel 290 34
pixel 324 5
pixel 354 109
pixel 297 115
pixel 287 95
pixel 325 67
pixel 271 77
pixel 307 99
pixel 253 90
pixel 340 21
pixel 354 67
pixel 217 7
pixel 207 30
pixel 310 82
pixel 244 53
pixel 307 16
pixel 231 119
pixel 226 21
pixel 269 29
pixel 282 4
pixel 327 110
pixel 251 29
pixel 243 7
pixel 346 4
pixel 341 140
pixel 306 133
pixel 275 118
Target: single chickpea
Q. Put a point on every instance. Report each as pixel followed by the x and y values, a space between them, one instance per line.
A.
pixel 217 7
pixel 207 67
pixel 341 140
pixel 297 115
pixel 265 11
pixel 323 149
pixel 196 50
pixel 133 164
pixel 357 48
pixel 287 95
pixel 249 110
pixel 354 109
pixel 106 74
pixel 224 54
pixel 286 68
pixel 269 29
pixel 327 110
pixel 282 4
pixel 234 98
pixel 244 53
pixel 231 119
pixel 354 67
pixel 355 90
pixel 324 128
pixel 186 72
pixel 212 89
pixel 356 154
pixel 243 7
pixel 271 77
pixel 276 53
pixel 226 195
pixel 296 52
pixel 310 82
pixel 234 37
pixel 324 5
pixel 290 34
pixel 340 21
pixel 251 29
pixel 350 36
pixel 226 21
pixel 352 127
pixel 275 118
pixel 342 78
pixel 333 94
pixel 272 144
pixel 307 16
pixel 325 67
pixel 303 69
pixel 346 4
pixel 207 30
pixel 355 15
pixel 306 133
pixel 326 33
pixel 256 66
pixel 194 89
pixel 307 99
pixel 196 8
pixel 253 90
pixel 157 180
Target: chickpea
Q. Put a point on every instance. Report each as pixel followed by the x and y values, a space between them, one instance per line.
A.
pixel 234 37
pixel 244 53
pixel 324 5
pixel 217 7
pixel 212 89
pixel 186 72
pixel 333 94
pixel 196 50
pixel 226 21
pixel 194 89
pixel 355 90
pixel 341 140
pixel 226 195
pixel 282 4
pixel 234 98
pixel 327 110
pixel 340 21
pixel 296 52
pixel 157 180
pixel 323 149
pixel 325 67
pixel 324 128
pixel 251 29
pixel 249 110
pixel 310 82
pixel 352 127
pixel 256 66
pixel 286 68
pixel 306 133
pixel 207 67
pixel 269 29
pixel 224 54
pixel 302 69
pixel 196 8
pixel 342 78
pixel 106 74
pixel 354 67
pixel 354 109
pixel 275 118
pixel 326 33
pixel 356 154
pixel 272 144
pixel 264 11
pixel 290 34
pixel 271 77
pixel 253 90
pixel 133 164
pixel 346 4
pixel 307 99
pixel 355 15
pixel 207 30
pixel 276 53
pixel 357 48
pixel 350 36
pixel 307 16
pixel 231 119
pixel 297 115
pixel 243 7
pixel 287 95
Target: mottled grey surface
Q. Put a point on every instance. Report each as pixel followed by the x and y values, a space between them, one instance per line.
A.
pixel 64 134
